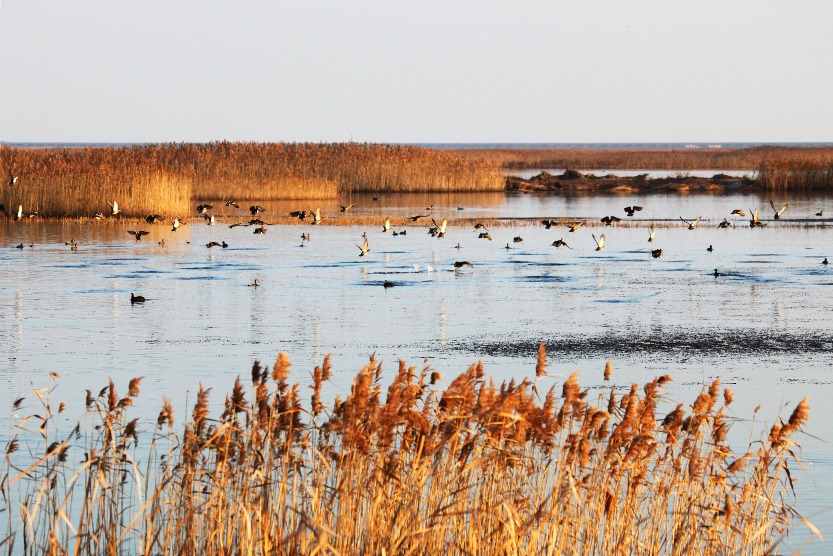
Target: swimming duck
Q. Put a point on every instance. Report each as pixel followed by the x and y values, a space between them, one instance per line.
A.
pixel 260 230
pixel 388 284
pixel 656 253
pixel 254 284
pixel 517 239
pixel 716 273
pixel 824 261
pixel 709 248
pixel 136 298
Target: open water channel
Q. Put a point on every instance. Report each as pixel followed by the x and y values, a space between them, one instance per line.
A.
pixel 765 325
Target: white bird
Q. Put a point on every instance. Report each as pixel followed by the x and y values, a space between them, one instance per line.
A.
pixel 316 215
pixel 386 225
pixel 365 248
pixel 693 224
pixel 600 243
pixel 12 179
pixel 175 224
pixel 778 212
pixel 440 228
pixel 19 214
pixel 210 220
pixel 114 208
pixel 652 231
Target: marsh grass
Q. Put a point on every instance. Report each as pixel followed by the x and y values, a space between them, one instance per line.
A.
pixel 472 468
pixel 165 179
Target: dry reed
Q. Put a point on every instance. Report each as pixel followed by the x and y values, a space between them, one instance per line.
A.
pixel 474 468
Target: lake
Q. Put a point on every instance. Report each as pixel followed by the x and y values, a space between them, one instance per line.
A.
pixel 765 325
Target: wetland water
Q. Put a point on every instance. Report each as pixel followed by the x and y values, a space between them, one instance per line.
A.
pixel 765 326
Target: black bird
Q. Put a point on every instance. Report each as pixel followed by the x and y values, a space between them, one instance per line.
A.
pixel 710 249
pixel 254 209
pixel 656 253
pixel 560 243
pixel 517 239
pixel 402 233
pixel 549 223
pixel 388 284
pixel 232 204
pixel 299 214
pixel 480 225
pixel 256 222
pixel 484 235
pixel 461 264
pixel 260 230
pixel 211 244
pixel 202 209
pixel 21 247
pixel 345 208
pixel 136 298
pixel 12 179
pixel 138 235
pixel 608 220
pixel 716 273
pixel 153 218
pixel 631 210
pixel 824 261
pixel 725 224
pixel 417 217
pixel 819 213
pixel 3 210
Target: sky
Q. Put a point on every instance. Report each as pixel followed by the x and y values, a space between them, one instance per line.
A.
pixel 416 72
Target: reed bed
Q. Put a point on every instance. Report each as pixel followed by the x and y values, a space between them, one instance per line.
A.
pixel 472 468
pixel 672 159
pixel 165 179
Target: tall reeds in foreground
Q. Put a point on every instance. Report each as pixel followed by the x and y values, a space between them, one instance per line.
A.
pixel 474 468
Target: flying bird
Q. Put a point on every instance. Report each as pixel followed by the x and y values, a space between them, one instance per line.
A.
pixel 365 248
pixel 138 235
pixel 755 222
pixel 153 218
pixel 12 179
pixel 386 225
pixel 778 213
pixel 631 210
pixel 576 226
pixel 651 233
pixel 560 243
pixel 417 217
pixel 692 224
pixel 99 216
pixel 608 220
pixel 114 208
pixel 600 243
pixel 484 235
pixel 19 213
pixel 175 225
pixel 316 215
pixel 232 204
pixel 739 212
pixel 480 225
pixel 299 214
pixel 202 209
pixel 254 209
pixel 209 219
pixel 549 223
pixel 725 224
pixel 461 264
pixel 344 208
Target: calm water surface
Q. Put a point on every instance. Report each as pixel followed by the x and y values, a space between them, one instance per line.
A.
pixel 765 326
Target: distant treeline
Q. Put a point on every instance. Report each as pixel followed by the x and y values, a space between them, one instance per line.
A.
pixel 166 178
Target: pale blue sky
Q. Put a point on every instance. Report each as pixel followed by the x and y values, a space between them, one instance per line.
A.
pixel 479 71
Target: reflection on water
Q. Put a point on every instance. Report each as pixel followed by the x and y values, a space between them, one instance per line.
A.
pixel 765 326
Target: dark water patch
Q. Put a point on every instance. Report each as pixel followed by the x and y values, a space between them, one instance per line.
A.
pixel 202 278
pixel 671 343
pixel 543 278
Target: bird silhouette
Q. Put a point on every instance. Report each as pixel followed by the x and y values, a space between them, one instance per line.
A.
pixel 824 261
pixel 600 243
pixel 232 204
pixel 560 243
pixel 716 273
pixel 316 216
pixel 136 299
pixel 418 217
pixel 549 223
pixel 254 209
pixel 388 284
pixel 138 235
pixel 175 225
pixel 656 253
pixel 517 239
pixel 479 226
pixel 461 264
pixel 484 235
pixel 725 224
pixel 739 212
pixel 153 218
pixel 254 284
pixel 608 220
pixel 209 219
pixel 576 226
pixel 755 222
pixel 819 213
pixel 345 208
pixel 631 210
pixel 12 179
pixel 260 230
pixel 202 209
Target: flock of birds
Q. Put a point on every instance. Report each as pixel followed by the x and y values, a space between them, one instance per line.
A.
pixel 436 229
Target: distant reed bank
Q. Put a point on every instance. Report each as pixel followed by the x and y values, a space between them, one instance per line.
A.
pixel 165 179
pixel 423 466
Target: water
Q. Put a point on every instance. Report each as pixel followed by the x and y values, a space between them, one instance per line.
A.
pixel 765 326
